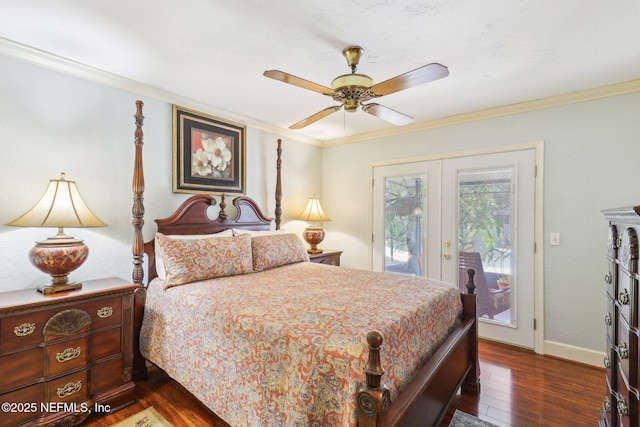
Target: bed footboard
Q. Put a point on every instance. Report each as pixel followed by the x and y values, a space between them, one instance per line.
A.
pixel 425 401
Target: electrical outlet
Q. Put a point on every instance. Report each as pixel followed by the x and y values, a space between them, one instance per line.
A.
pixel 554 239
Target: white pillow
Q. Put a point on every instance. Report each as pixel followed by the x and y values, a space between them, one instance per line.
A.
pixel 160 263
pixel 255 233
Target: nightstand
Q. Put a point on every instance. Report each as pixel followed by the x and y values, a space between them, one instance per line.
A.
pixel 328 256
pixel 66 355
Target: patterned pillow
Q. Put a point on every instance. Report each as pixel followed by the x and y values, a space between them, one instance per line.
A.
pixel 190 260
pixel 276 250
pixel 158 251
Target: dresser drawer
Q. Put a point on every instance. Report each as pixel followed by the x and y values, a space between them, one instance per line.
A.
pixel 70 388
pixel 627 350
pixel 106 343
pixel 328 257
pixel 627 298
pixel 107 375
pixel 21 368
pixel 626 405
pixel 610 361
pixel 104 312
pixel 29 398
pixel 609 319
pixel 66 355
pixel 23 330
pixel 627 294
pixel 611 279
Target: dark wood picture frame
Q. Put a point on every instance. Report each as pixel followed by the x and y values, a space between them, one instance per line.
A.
pixel 209 154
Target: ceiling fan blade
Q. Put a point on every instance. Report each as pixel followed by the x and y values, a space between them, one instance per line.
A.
pixel 315 117
pixel 297 81
pixel 387 114
pixel 427 73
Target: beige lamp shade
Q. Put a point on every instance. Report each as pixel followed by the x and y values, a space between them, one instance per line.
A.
pixel 60 206
pixel 313 234
pixel 313 212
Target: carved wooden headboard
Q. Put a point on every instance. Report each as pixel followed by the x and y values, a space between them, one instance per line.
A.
pixel 191 217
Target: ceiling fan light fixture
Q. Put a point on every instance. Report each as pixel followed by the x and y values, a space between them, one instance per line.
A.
pixel 351 105
pixel 352 80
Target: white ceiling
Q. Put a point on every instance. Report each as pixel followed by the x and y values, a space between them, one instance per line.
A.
pixel 214 52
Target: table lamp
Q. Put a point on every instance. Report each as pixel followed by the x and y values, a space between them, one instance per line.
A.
pixel 313 234
pixel 60 206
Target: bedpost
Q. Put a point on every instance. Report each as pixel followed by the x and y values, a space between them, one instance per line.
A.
pixel 471 383
pixel 138 206
pixel 139 367
pixel 373 395
pixel 278 211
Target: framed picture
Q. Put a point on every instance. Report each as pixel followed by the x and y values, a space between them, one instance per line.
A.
pixel 209 154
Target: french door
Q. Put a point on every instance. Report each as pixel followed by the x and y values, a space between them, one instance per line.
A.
pixel 438 218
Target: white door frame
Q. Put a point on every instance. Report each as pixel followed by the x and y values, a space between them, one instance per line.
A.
pixel 538 146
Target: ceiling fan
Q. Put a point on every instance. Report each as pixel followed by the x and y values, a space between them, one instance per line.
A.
pixel 352 90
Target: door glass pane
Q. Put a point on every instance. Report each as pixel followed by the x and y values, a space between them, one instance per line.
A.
pixel 404 224
pixel 485 230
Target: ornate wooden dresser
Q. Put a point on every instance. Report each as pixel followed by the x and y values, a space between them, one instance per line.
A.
pixel 620 407
pixel 65 355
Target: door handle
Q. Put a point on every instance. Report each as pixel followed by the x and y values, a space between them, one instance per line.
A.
pixel 446 255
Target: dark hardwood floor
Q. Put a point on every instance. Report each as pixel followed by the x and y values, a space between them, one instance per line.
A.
pixel 521 388
pixel 518 388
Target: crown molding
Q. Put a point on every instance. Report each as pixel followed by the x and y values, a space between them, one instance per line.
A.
pixel 63 65
pixel 504 110
pixel 66 66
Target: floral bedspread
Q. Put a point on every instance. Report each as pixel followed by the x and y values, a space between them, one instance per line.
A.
pixel 287 346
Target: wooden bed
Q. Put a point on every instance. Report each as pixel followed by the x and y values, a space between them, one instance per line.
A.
pixel 423 402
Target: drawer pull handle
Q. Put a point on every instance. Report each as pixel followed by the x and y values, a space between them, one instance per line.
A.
pixel 623 297
pixel 68 354
pixel 623 351
pixel 607 362
pixel 105 312
pixel 606 404
pixel 608 278
pixel 623 408
pixel 24 329
pixel 607 319
pixel 69 389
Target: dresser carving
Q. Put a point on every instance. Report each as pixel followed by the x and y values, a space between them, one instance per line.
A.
pixel 67 322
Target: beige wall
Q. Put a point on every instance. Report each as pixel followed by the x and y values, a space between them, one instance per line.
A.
pixel 592 152
pixel 51 123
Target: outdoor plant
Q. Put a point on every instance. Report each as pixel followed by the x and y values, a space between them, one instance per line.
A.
pixel 483 211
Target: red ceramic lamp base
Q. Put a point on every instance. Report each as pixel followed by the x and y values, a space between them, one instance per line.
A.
pixel 58 256
pixel 313 235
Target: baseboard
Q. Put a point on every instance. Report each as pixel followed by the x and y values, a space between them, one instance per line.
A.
pixel 575 354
